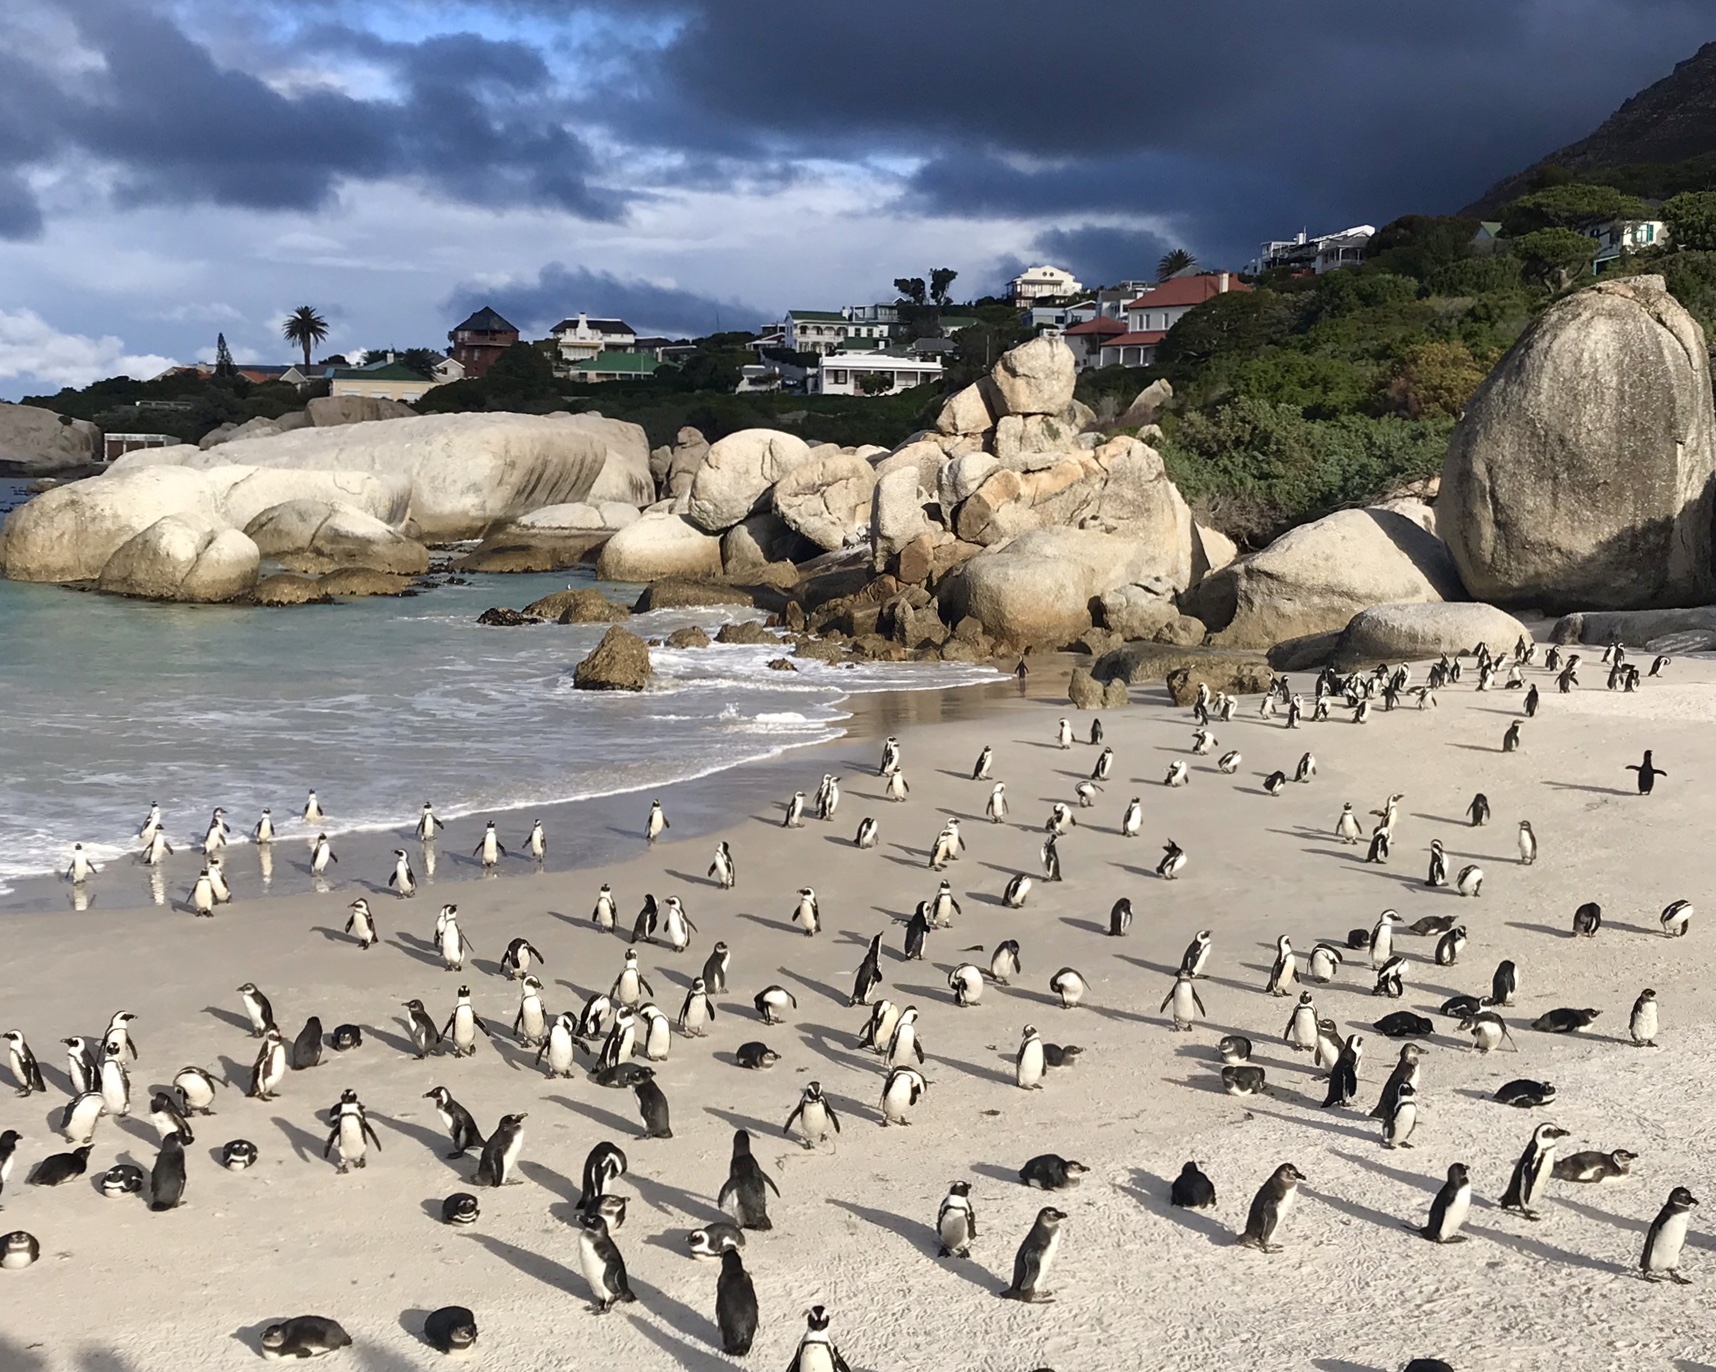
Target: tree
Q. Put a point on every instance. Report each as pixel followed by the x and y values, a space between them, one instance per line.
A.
pixel 1553 257
pixel 1435 381
pixel 1174 263
pixel 1573 206
pixel 940 279
pixel 910 288
pixel 306 328
pixel 423 361
pixel 1691 220
pixel 876 383
pixel 223 357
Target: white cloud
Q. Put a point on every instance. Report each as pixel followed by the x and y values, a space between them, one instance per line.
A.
pixel 30 347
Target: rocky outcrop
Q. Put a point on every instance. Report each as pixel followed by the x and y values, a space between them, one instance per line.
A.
pixel 37 442
pixel 500 617
pixel 1412 633
pixel 673 466
pixel 363 581
pixel 517 549
pixel 1036 377
pixel 1085 691
pixel 1138 664
pixel 969 411
pixel 1318 576
pixel 737 474
pixel 689 637
pixel 1212 550
pixel 620 662
pixel 181 558
pixel 288 588
pixel 827 499
pixel 578 605
pixel 745 631
pixel 580 516
pixel 1139 611
pixel 1581 472
pixel 68 533
pixel 316 536
pixel 331 411
pixel 659 545
pixel 896 514
pixel 1635 628
pixel 1147 405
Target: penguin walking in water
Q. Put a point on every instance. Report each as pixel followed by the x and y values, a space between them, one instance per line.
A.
pixel 1648 773
pixel 1667 1238
pixel 490 851
pixel 600 1261
pixel 156 849
pixel 656 823
pixel 1036 1258
pixel 536 843
pixel 427 824
pixel 722 871
pixel 351 1132
pixel 744 1195
pixel 1450 1208
pixel 321 855
pixel 313 810
pixel 956 1222
pixel 1531 1173
pixel 1269 1209
pixel 81 868
pixel 813 1116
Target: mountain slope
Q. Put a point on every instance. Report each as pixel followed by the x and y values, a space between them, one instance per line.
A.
pixel 1661 141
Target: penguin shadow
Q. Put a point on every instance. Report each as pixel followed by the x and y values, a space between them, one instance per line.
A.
pixel 985 898
pixel 375 888
pixel 917 992
pixel 1200 1081
pixel 1621 928
pixel 1324 1123
pixel 1419 1181
pixel 780 926
pixel 822 988
pixel 1342 1365
pixel 672 977
pixel 694 878
pixel 1687 1365
pixel 533 1265
pixel 489 967
pixel 1089 926
pixel 607 1119
pixel 412 1321
pixel 305 1144
pixel 435 1140
pixel 1581 786
pixel 973 1069
pixel 334 935
pixel 237 1073
pixel 696 1331
pixel 431 1208
pixel 228 1017
pixel 1149 1189
pixel 399 1043
pixel 920 1236
pixel 420 948
pixel 1035 997
pixel 836 1046
pixel 758 1129
pixel 1354 1209
pixel 550 1180
pixel 1548 1252
pixel 669 1199
pixel 1461 823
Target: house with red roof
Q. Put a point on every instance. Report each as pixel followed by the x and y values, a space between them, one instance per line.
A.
pixel 1155 311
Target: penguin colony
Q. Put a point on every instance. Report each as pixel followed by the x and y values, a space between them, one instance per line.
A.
pixel 613 1036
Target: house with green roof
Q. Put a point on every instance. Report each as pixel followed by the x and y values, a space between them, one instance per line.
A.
pixel 614 366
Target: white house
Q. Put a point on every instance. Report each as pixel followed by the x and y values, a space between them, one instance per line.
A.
pixel 1152 314
pixel 827 331
pixel 1041 283
pixel 1617 237
pixel 582 339
pixel 840 375
pixel 1319 255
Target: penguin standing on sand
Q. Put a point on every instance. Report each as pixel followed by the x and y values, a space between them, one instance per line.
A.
pixel 499 1160
pixel 656 823
pixel 817 1351
pixel 723 871
pixel 1269 1209
pixel 603 1267
pixel 1450 1208
pixel 1479 810
pixel 462 1026
pixel 1648 773
pixel 1183 996
pixel 24 1065
pixel 1666 1239
pixel 956 1222
pixel 1532 1172
pixel 361 923
pixel 1643 1023
pixel 735 1305
pixel 1036 1258
pixel 1347 828
pixel 351 1132
pixel 536 843
pixel 985 761
pixel 403 880
pixel 813 1116
pixel 1438 873
pixel 744 1195
pixel 1285 971
pixel 457 1120
pixel 490 851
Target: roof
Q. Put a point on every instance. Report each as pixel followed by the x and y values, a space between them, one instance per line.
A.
pixel 388 371
pixel 1186 290
pixel 1149 338
pixel 641 363
pixel 1100 325
pixel 881 361
pixel 819 315
pixel 953 323
pixel 600 325
pixel 485 320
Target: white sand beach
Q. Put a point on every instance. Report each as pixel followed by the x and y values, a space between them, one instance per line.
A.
pixel 1138 1284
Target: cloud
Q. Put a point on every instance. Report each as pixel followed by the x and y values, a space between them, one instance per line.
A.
pixel 32 348
pixel 1098 254
pixel 559 291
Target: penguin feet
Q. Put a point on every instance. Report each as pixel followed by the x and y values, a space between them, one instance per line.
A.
pixel 341 1170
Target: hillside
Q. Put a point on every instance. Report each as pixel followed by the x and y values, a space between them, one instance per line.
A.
pixel 1660 142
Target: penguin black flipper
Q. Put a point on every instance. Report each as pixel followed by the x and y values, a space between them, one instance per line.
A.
pixel 797 1110
pixel 833 1118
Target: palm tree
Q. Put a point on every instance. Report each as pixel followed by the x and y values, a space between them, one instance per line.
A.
pixel 1173 263
pixel 306 328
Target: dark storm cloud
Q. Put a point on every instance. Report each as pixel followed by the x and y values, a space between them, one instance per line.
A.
pixel 559 291
pixel 1095 254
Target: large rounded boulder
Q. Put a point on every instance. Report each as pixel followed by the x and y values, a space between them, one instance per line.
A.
pixel 316 536
pixel 34 440
pixel 1581 472
pixel 69 532
pixel 659 545
pixel 180 558
pixel 827 499
pixel 737 474
pixel 1036 377
pixel 1415 633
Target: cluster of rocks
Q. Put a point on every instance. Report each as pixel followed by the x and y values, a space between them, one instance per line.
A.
pixel 38 442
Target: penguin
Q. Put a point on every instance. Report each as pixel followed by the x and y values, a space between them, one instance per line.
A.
pixel 1438 873
pixel 966 983
pixel 1173 861
pixel 1595 1167
pixel 1403 1024
pixel 122 1179
pixel 621 1041
pixel 451 1329
pixel 985 760
pixel 1343 1076
pixel 1030 1062
pixel 515 962
pixel 891 756
pixel 1667 1238
pixel 794 812
pixel 1301 1031
pixel 1197 955
pixel 403 880
pixel 1470 882
pixel 165 1116
pixel 156 850
pixel 903 1044
pixel 1479 810
pixel 1051 858
pixel 536 843
pixel 735 1305
pixel 1564 1021
pixel 895 788
pixel 1347 828
pixel 1504 985
pixel 1069 986
pixel 656 823
pixel 1527 843
pixel 744 1195
pixel 196 1090
pixel 956 1222
pixel 868 835
pixel 1379 844
pixel 698 1011
pixel 1397 1128
pixel 1228 762
pixel 947 845
pixel 361 924
pixel 1532 1172
pixel 307 1047
pixel 1306 769
pixel 943 907
pixel 1183 996
pixel 460 1208
pixel 1510 739
pixel 151 824
pixel 1234 1049
pixel 817 1351
pixel 1269 1209
pixel 1406 1073
pixel 1324 963
pixel 1095 732
pixel 1064 734
pixel 677 926
pixel 828 798
pixel 425 1036
pixel 237 1155
pixel 1390 978
pixel 115 1085
pixel 81 868
pixel 1450 1208
pixel 557 1046
pixel 1104 768
pixel 1587 920
pixel 1676 919
pixel 1240 1080
pixel 351 1133
pixel 462 1025
pixel 715 968
pixel 81 1066
pixel 879 1028
pixel 167 1176
pixel 1004 962
pixel 600 1261
pixel 58 1168
pixel 24 1065
pixel 117 1041
pixel 1203 742
pixel 652 1108
pixel 630 986
pixel 722 871
pixel 303 1336
pixel 806 914
pixel 203 895
pixel 917 932
pixel 1643 1025
pixel 1525 1094
pixel 813 1115
pixel 1382 938
pixel 215 836
pixel 1178 774
pixel 657 1035
pixel 1487 1029
pixel 427 824
pixel 902 1090
pixel 772 1003
pixel 713 1239
pixel 1284 972
pixel 321 855
pixel 593 1021
pixel 499 1160
pixel 80 1116
pixel 603 914
pixel 1035 1258
pixel 1192 1190
pixel 649 917
pixel 755 1057
pixel 453 943
pixel 1648 773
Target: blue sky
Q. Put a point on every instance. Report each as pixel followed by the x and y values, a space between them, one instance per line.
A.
pixel 170 170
